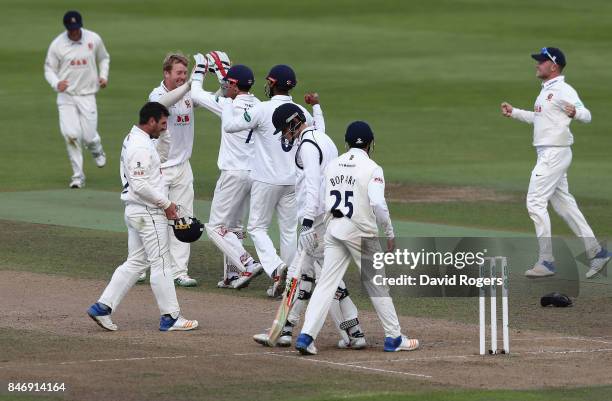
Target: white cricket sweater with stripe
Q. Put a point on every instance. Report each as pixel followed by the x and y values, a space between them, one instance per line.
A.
pixel 181 126
pixel 78 62
pixel 551 126
pixel 140 170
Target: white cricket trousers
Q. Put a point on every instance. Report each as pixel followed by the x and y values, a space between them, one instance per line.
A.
pixel 227 212
pixel 179 183
pixel 309 265
pixel 78 118
pixel 343 242
pixel 265 200
pixel 147 246
pixel 549 183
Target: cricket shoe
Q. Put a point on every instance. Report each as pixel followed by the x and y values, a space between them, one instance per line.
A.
pixel 355 341
pixel 77 184
pixel 185 281
pixel 142 278
pixel 598 262
pixel 280 278
pixel 227 282
pixel 543 268
pixel 168 323
pixel 305 345
pixel 264 339
pixel 100 159
pixel 101 314
pixel 245 277
pixel 401 343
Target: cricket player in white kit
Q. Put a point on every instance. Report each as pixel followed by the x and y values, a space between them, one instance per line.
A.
pixel 231 198
pixel 555 108
pixel 273 176
pixel 356 206
pixel 76 67
pixel 315 150
pixel 147 211
pixel 174 93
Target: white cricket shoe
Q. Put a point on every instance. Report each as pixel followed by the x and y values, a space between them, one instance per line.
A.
pixel 77 183
pixel 245 277
pixel 142 278
pixel 353 343
pixel 598 262
pixel 101 314
pixel 283 341
pixel 227 283
pixel 401 343
pixel 541 269
pixel 305 345
pixel 100 159
pixel 185 281
pixel 167 323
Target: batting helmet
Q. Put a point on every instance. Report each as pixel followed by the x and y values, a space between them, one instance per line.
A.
pixel 556 299
pixel 285 114
pixel 187 229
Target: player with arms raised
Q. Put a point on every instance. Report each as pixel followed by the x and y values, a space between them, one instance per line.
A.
pixel 231 197
pixel 273 175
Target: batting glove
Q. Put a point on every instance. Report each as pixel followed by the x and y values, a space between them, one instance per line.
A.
pixel 201 66
pixel 309 240
pixel 218 63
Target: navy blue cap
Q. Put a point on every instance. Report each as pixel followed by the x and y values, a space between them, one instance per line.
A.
pixel 550 53
pixel 73 20
pixel 283 76
pixel 284 114
pixel 358 134
pixel 240 75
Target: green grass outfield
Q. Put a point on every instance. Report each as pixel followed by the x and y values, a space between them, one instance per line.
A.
pixel 428 76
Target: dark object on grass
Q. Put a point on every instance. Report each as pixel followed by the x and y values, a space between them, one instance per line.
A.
pixel 556 299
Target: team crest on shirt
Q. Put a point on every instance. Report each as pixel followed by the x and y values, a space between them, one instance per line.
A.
pixel 549 97
pixel 90 45
pixel 138 170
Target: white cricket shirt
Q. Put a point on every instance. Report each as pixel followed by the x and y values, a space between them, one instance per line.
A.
pixel 77 62
pixel 550 123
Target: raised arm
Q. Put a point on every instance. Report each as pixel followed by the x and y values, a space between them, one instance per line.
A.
pixel 518 114
pixel 312 98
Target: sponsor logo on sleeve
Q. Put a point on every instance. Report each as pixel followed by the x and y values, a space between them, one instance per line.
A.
pixel 247 116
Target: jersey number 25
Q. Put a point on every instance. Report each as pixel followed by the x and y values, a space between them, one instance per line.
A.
pixel 347 202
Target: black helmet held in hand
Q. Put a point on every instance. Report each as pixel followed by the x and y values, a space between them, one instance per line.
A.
pixel 187 229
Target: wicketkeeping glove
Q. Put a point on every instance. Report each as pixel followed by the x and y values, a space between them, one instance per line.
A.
pixel 309 240
pixel 218 62
pixel 201 66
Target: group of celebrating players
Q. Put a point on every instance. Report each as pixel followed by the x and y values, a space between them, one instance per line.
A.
pixel 274 158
